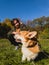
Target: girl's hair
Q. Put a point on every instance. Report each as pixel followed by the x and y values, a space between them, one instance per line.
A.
pixel 12 21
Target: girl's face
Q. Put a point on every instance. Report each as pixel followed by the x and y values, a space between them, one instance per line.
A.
pixel 16 24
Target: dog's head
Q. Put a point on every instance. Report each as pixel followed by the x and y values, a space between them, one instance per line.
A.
pixel 26 37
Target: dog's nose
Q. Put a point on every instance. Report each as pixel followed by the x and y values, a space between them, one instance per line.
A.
pixel 13 34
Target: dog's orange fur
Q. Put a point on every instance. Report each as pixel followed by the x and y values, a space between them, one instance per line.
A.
pixel 30 42
pixel 30 47
pixel 35 49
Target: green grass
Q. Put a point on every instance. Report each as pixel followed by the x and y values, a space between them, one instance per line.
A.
pixel 10 56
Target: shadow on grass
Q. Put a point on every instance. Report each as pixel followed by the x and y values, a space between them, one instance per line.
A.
pixel 42 55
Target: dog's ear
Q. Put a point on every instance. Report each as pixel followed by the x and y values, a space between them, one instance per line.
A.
pixel 31 34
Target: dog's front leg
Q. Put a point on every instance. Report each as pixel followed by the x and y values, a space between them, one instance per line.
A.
pixel 28 58
pixel 23 58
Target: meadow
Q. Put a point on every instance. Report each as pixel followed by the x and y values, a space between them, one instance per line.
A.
pixel 10 56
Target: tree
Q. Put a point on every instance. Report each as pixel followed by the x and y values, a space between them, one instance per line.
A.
pixel 7 22
pixel 4 29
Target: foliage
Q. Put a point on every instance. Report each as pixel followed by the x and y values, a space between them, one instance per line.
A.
pixel 44 34
pixel 39 24
pixel 7 22
pixel 4 30
pixel 5 27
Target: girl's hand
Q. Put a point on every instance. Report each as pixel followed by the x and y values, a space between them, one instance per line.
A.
pixel 13 32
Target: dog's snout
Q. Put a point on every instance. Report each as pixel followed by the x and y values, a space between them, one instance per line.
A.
pixel 19 39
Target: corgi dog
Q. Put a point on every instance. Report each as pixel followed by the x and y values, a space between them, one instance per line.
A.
pixel 30 47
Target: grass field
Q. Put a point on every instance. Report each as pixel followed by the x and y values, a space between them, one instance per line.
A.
pixel 10 56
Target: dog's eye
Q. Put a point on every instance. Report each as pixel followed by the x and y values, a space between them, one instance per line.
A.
pixel 30 34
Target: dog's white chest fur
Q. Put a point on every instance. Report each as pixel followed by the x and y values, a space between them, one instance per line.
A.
pixel 27 54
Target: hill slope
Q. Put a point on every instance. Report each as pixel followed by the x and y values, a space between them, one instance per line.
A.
pixel 9 56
